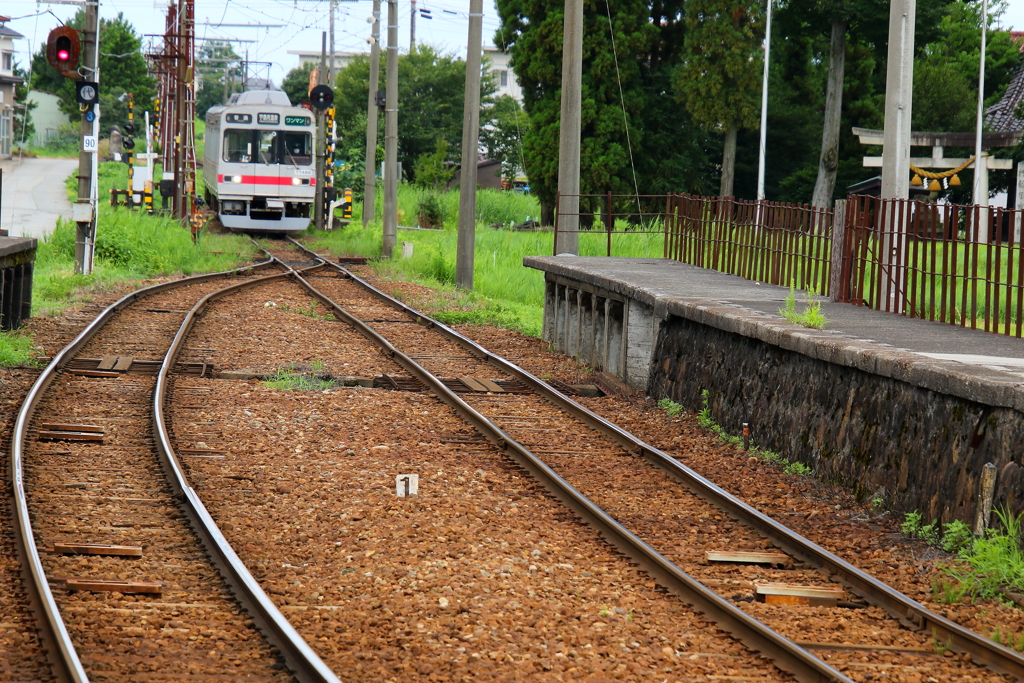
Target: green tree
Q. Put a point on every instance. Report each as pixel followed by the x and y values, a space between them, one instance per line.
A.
pixel 631 135
pixel 296 83
pixel 719 78
pixel 431 90
pixel 504 126
pixel 24 130
pixel 122 69
pixel 433 170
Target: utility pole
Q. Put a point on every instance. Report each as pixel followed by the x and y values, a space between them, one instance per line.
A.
pixel 391 135
pixel 470 137
pixel 370 181
pixel 981 164
pixel 567 239
pixel 764 107
pixel 85 207
pixel 334 4
pixel 899 80
pixel 412 27
pixel 318 202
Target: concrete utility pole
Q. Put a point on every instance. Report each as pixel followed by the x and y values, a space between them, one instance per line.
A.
pixel 470 142
pixel 318 201
pixel 980 164
pixel 567 239
pixel 330 82
pixel 764 105
pixel 391 136
pixel 370 181
pixel 85 207
pixel 899 83
pixel 412 28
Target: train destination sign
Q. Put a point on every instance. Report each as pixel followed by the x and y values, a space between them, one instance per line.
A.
pixel 239 118
pixel 296 120
pixel 264 117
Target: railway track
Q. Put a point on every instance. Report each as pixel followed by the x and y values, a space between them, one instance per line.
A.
pixel 872 628
pixel 158 452
pixel 122 586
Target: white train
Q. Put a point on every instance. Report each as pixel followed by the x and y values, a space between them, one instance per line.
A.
pixel 259 164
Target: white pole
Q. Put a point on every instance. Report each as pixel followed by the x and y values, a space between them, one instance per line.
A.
pixel 764 105
pixel 980 166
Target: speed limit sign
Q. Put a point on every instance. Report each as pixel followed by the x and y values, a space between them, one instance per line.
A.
pixel 89 143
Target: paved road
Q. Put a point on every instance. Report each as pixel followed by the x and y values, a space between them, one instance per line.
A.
pixel 34 196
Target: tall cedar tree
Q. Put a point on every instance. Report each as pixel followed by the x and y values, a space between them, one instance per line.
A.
pixel 623 85
pixel 122 69
pixel 719 78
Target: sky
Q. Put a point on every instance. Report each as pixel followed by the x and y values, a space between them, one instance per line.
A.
pixel 293 24
pixel 282 25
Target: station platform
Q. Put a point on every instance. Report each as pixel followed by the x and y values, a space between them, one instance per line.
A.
pixel 909 410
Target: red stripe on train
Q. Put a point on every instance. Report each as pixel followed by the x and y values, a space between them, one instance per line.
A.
pixel 263 180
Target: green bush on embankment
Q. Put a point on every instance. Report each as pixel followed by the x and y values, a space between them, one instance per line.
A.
pixel 505 292
pixel 130 245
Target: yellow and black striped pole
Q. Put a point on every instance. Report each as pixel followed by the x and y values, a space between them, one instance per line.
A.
pixel 329 193
pixel 129 144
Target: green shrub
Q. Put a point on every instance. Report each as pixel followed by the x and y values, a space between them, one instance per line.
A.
pixel 15 349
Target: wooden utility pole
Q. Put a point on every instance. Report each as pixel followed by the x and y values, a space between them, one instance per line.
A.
pixel 391 136
pixel 370 181
pixel 470 142
pixel 85 207
pixel 318 201
pixel 567 238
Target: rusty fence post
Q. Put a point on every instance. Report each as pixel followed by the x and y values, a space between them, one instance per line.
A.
pixel 836 257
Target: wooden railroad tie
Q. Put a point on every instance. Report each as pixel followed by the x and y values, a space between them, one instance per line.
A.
pixel 97 549
pixel 747 557
pixel 112 586
pixel 785 594
pixel 70 432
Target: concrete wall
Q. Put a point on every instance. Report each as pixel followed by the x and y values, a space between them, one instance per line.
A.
pixel 881 421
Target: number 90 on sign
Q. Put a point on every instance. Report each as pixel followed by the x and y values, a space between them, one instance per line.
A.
pixel 89 143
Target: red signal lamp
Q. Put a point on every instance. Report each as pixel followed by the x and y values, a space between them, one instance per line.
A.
pixel 63 49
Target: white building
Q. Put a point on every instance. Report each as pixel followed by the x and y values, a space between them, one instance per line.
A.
pixel 504 77
pixel 341 59
pixel 8 81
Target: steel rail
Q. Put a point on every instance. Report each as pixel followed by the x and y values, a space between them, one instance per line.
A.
pixel 64 660
pixel 907 611
pixel 783 652
pixel 275 627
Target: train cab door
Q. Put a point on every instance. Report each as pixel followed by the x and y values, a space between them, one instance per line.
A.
pixel 268 171
pixel 238 171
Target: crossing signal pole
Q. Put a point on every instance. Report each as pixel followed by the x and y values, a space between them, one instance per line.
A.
pixel 64 49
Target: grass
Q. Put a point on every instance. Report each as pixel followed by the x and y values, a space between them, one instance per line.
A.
pixel 504 292
pixel 811 316
pixel 705 420
pixel 15 349
pixel 130 245
pixel 295 379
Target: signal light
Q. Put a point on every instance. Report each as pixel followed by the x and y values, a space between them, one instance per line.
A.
pixel 63 49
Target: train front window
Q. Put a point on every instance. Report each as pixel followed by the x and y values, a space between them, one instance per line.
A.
pixel 298 148
pixel 268 146
pixel 238 146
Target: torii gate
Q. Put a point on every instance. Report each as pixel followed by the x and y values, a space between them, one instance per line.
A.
pixel 937 141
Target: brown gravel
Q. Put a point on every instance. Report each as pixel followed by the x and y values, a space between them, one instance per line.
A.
pixel 115 492
pixel 481 575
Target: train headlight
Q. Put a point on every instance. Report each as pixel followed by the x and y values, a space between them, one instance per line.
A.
pixel 296 181
pixel 236 179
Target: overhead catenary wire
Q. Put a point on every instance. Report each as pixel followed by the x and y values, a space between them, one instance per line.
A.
pixel 622 101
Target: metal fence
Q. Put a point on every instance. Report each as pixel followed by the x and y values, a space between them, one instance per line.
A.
pixel 784 244
pixel 602 218
pixel 949 263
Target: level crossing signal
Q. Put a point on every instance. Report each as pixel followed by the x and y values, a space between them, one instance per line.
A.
pixel 321 97
pixel 63 50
